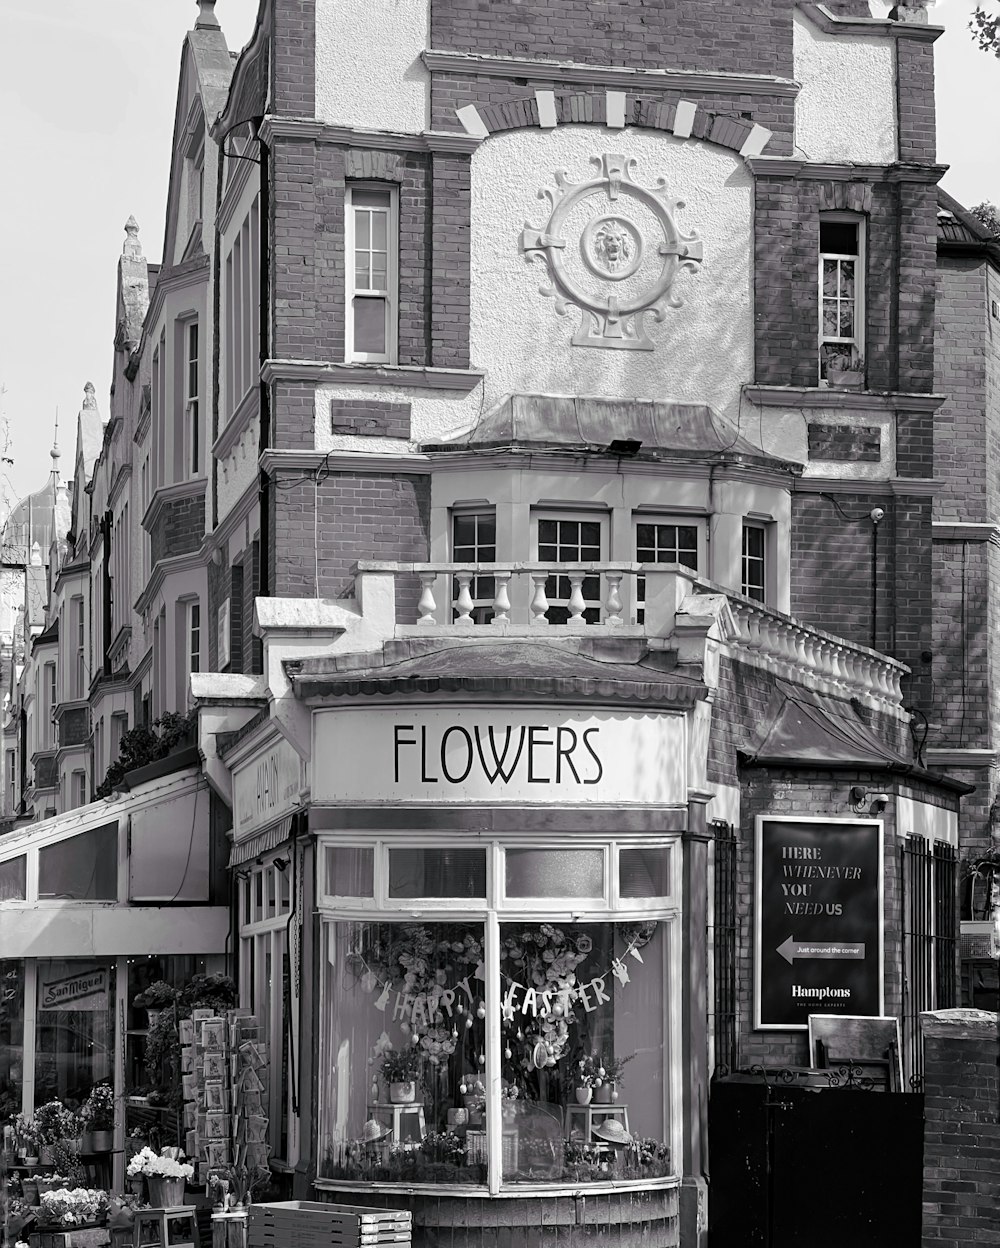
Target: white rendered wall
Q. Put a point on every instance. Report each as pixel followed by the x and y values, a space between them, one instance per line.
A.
pixel 703 351
pixel 368 68
pixel 846 108
pixel 784 432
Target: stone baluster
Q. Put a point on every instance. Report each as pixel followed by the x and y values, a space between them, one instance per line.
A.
pixel 501 599
pixel 613 601
pixel 539 602
pixel 577 603
pixel 427 606
pixel 464 601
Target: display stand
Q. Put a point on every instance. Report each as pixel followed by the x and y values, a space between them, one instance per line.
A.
pixel 591 1116
pixel 166 1228
pixel 229 1230
pixel 400 1114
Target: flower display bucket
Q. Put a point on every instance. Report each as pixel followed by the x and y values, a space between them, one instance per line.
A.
pixel 403 1093
pixel 165 1193
pixel 603 1094
pixel 584 1096
pixel 101 1141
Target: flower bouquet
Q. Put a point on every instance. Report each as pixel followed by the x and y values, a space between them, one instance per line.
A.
pixel 75 1206
pixel 401 1070
pixel 164 1174
pixel 97 1116
pixel 57 1127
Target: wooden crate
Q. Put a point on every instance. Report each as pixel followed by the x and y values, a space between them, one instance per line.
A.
pixel 312 1224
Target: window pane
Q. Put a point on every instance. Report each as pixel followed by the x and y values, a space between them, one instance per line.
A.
pixel 369 326
pixel 403 1006
pixel 380 224
pixel 12 875
pixel 555 872
pixel 74 1042
pixel 839 237
pixel 380 279
pixel 82 868
pixel 362 196
pixel 350 871
pixel 362 229
pixel 464 535
pixel 362 270
pixel 600 1031
pixel 11 1036
pixel 644 872
pixel 437 872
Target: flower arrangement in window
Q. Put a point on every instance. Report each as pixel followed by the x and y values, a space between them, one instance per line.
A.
pixel 75 1206
pixel 55 1123
pixel 545 958
pixel 158 1166
pixel 97 1113
pixel 158 996
pixel 27 1135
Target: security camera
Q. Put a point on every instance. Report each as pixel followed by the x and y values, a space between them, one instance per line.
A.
pixel 877 515
pixel 879 802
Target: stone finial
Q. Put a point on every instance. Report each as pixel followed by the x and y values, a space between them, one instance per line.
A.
pixel 88 395
pixel 132 248
pixel 914 12
pixel 206 16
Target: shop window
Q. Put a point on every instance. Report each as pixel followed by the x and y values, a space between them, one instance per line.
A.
pixel 74 1036
pixel 406 1014
pixel 570 539
pixel 350 871
pixel 12 879
pixel 665 541
pixel 753 582
pixel 644 873
pixel 168 850
pixel 841 289
pixel 81 868
pixel 437 873
pixel 474 540
pixel 372 273
pixel 555 872
pixel 11 1035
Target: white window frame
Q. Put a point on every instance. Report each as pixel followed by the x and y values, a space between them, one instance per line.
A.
pixel 601 517
pixel 696 522
pixel 482 610
pixel 390 294
pixel 223 636
pixel 764 527
pixel 192 400
pixel 79 658
pixel 857 342
pixel 194 631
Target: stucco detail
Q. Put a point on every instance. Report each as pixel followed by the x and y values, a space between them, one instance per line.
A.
pixel 785 432
pixel 433 414
pixel 524 348
pixel 238 470
pixel 846 109
pixel 351 40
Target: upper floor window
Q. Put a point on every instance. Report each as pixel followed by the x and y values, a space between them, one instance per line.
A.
pixel 474 540
pixel 665 541
pixel 194 637
pixel 841 289
pixel 79 657
pixel 241 311
pixel 754 562
pixel 191 406
pixel 571 539
pixel 372 273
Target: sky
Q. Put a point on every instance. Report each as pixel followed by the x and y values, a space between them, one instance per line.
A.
pixel 87 93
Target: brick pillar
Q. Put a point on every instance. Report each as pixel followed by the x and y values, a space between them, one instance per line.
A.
pixel 451 216
pixel 961 1133
pixel 786 243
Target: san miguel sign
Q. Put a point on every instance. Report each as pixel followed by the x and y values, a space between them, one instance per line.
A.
pixel 498 754
pixel 818 919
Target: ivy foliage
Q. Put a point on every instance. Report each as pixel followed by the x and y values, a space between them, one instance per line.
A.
pixel 985 27
pixel 145 743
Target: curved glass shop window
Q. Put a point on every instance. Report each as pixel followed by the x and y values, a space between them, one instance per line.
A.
pixel 500 1048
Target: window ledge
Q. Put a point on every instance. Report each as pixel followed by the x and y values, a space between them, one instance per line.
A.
pixel 403 375
pixel 526 1191
pixel 829 396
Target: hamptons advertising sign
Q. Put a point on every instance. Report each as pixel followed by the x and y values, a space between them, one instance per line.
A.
pixel 498 754
pixel 818 920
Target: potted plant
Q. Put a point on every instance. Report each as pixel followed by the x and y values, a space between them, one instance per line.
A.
pixel 846 372
pixel 980 875
pixel 165 1176
pixel 97 1114
pixel 26 1134
pixel 401 1071
pixel 157 997
pixel 55 1124
pixel 609 1078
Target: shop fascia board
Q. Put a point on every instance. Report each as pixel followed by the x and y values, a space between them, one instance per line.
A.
pixel 107 930
pixel 225 702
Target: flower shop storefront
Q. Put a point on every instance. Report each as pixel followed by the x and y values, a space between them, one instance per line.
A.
pixel 502 899
pixel 96 906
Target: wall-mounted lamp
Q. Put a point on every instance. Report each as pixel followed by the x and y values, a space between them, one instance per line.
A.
pixel 861 798
pixel 281 863
pixel 625 447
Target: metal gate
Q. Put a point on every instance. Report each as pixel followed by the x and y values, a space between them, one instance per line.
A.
pixel 792 1166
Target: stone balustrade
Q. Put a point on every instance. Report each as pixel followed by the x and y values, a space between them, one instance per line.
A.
pixel 634 599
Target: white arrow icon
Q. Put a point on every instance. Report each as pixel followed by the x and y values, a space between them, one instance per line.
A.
pixel 791 949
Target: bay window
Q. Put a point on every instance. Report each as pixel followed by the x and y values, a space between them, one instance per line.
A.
pixel 474 540
pixel 495 1015
pixel 571 538
pixel 662 540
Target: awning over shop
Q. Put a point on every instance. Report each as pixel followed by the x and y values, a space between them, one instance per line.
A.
pixel 807 729
pixel 262 842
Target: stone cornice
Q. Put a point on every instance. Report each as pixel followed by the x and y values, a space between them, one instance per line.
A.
pixel 167 494
pixel 850 400
pixel 960 531
pixel 123 474
pixel 247 408
pixel 187 273
pixel 914 487
pixel 306 129
pixel 163 569
pixel 945 757
pixel 795 167
pixel 234 190
pixel 831 24
pixel 400 376
pixel 473 64
pixel 273 460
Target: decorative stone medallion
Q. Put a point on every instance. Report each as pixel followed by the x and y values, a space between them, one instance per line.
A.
pixel 613 250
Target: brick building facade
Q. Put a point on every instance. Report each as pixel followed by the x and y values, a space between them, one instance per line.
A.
pixel 550 458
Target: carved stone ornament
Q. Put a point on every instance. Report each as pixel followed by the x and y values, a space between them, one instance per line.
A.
pixel 613 249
